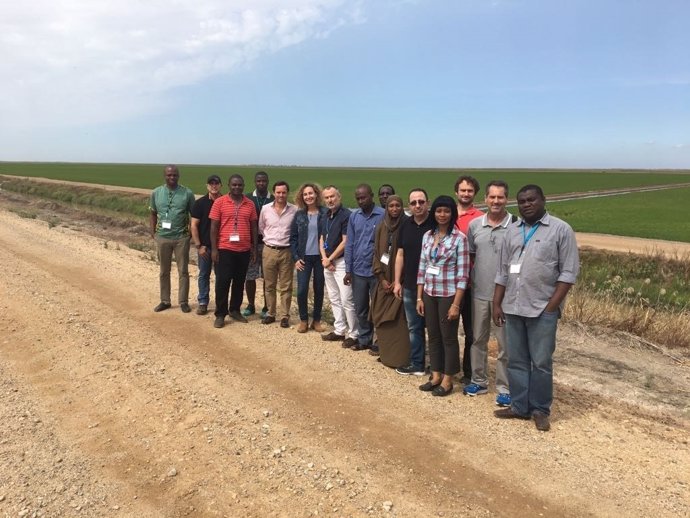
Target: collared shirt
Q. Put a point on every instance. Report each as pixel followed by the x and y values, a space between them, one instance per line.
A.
pixel 333 228
pixel 234 219
pixel 275 227
pixel 485 241
pixel 452 260
pixel 359 247
pixel 410 242
pixel 200 211
pixel 463 221
pixel 260 202
pixel 172 208
pixel 550 256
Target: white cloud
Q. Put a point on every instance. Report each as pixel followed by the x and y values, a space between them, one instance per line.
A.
pixel 71 62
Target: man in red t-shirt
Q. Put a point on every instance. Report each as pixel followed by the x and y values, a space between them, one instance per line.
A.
pixel 466 188
pixel 234 235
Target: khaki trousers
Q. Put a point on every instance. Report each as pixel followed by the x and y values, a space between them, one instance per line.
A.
pixel 278 268
pixel 180 249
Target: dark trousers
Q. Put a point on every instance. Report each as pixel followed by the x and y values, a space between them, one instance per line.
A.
pixel 443 345
pixel 466 314
pixel 230 270
pixel 312 263
pixel 362 291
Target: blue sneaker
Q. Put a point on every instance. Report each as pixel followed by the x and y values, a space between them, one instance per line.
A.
pixel 248 311
pixel 474 390
pixel 503 400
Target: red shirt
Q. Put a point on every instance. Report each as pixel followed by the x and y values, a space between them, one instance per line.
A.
pixel 235 219
pixel 463 221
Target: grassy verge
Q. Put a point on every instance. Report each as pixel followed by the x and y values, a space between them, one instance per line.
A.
pixel 645 295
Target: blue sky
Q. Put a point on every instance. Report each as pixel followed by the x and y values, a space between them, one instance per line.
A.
pixel 464 83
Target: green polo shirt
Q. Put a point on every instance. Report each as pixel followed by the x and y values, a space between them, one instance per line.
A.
pixel 173 208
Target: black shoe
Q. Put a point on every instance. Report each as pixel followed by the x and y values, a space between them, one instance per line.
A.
pixel 237 316
pixel 284 322
pixel 374 350
pixel 268 319
pixel 410 370
pixel 219 322
pixel 507 413
pixel 332 337
pixel 348 343
pixel 429 387
pixel 162 307
pixel 541 421
pixel 185 307
pixel 442 392
pixel 202 309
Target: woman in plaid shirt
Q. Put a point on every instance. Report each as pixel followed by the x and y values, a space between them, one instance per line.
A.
pixel 444 267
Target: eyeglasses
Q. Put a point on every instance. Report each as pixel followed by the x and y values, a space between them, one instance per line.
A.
pixel 414 203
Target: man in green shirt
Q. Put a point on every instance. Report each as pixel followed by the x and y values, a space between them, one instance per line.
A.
pixel 170 206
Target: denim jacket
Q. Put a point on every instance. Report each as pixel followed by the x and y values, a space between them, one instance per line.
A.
pixel 299 231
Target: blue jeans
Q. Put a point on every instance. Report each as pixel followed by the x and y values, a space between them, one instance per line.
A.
pixel 415 325
pixel 312 263
pixel 362 290
pixel 531 343
pixel 205 265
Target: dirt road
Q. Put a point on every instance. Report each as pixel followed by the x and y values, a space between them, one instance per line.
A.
pixel 108 409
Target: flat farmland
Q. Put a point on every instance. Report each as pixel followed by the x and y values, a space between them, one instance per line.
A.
pixel 435 181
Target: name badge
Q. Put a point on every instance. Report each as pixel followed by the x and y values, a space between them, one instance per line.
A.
pixel 385 259
pixel 234 238
pixel 433 270
pixel 515 268
pixel 166 225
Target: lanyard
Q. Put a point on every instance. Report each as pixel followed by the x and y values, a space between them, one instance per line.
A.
pixel 526 238
pixel 434 250
pixel 237 210
pixel 171 197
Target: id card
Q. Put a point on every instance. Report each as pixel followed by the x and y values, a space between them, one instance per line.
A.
pixel 515 268
pixel 385 259
pixel 167 225
pixel 234 238
pixel 433 270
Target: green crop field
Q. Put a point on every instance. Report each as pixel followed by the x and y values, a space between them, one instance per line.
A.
pixel 435 181
pixel 655 214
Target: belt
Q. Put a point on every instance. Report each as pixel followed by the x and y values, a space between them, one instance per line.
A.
pixel 276 247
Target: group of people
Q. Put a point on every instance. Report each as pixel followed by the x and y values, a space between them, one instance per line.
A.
pixel 399 280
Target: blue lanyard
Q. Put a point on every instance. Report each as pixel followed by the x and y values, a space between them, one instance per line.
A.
pixel 526 238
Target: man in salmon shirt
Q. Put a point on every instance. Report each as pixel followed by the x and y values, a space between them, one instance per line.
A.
pixel 466 189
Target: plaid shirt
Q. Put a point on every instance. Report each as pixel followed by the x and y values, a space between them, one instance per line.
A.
pixel 452 259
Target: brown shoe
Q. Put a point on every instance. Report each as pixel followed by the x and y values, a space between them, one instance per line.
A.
pixel 349 342
pixel 268 319
pixel 507 413
pixel 541 421
pixel 302 327
pixel 332 337
pixel 317 326
pixel 284 322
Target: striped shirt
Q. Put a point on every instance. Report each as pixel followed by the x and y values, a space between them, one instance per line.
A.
pixel 235 219
pixel 452 259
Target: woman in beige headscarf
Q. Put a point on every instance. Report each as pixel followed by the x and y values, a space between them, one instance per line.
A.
pixel 387 313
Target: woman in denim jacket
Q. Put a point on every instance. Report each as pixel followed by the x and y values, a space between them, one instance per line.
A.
pixel 304 245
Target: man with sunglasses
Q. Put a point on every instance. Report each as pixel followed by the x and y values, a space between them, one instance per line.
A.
pixel 406 264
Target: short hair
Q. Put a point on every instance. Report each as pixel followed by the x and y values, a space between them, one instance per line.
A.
pixel 364 186
pixel 299 200
pixel 172 167
pixel 418 189
pixel 468 179
pixel 279 183
pixel 444 201
pixel 387 185
pixel 532 187
pixel 260 173
pixel 235 176
pixel 496 183
pixel 329 187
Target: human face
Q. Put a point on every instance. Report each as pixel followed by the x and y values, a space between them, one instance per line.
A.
pixel 531 205
pixel 394 209
pixel 172 176
pixel 442 216
pixel 496 200
pixel 213 187
pixel 466 193
pixel 365 199
pixel 261 183
pixel 236 187
pixel 281 193
pixel 384 193
pixel 419 205
pixel 331 197
pixel 309 196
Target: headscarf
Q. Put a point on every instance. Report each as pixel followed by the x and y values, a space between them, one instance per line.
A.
pixel 391 223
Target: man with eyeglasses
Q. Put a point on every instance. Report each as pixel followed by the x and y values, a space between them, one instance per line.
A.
pixel 170 205
pixel 484 238
pixel 406 264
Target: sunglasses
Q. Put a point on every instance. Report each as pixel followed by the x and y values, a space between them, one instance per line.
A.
pixel 414 203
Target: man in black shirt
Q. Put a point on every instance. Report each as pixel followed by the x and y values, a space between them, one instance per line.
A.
pixel 406 264
pixel 201 237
